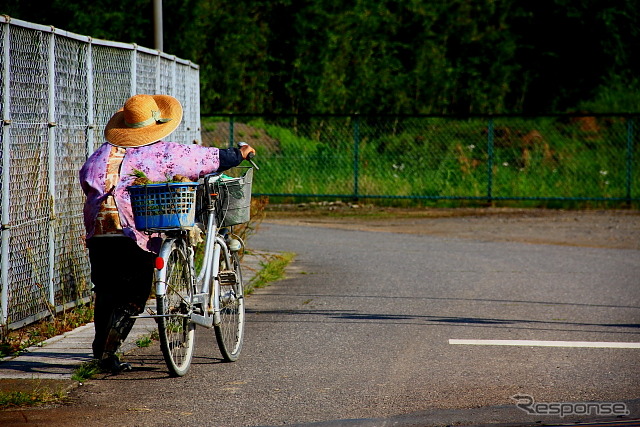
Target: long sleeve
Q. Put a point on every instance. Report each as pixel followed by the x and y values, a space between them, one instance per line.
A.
pixel 229 158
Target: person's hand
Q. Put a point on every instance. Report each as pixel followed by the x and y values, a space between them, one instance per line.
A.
pixel 245 150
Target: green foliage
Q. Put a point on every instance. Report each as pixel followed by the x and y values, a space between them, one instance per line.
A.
pixel 39 395
pixel 289 141
pixel 144 342
pixel 128 21
pixel 382 56
pixel 86 371
pixel 564 157
pixel 617 94
pixel 272 269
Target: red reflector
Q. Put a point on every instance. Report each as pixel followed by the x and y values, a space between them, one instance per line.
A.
pixel 159 263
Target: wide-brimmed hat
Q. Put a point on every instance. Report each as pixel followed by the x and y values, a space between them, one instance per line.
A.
pixel 144 120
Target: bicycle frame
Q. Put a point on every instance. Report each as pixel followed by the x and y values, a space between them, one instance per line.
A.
pixel 213 296
pixel 210 300
pixel 215 247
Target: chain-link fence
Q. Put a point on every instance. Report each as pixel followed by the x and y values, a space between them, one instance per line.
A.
pixel 565 158
pixel 57 92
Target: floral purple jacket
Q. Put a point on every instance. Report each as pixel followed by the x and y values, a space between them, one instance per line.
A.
pixel 157 161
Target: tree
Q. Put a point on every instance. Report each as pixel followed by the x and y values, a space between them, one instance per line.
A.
pixel 371 56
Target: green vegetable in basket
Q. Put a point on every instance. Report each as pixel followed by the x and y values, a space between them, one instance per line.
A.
pixel 141 178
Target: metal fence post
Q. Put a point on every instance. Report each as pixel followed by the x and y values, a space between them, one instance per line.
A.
pixel 490 136
pixel 90 100
pixel 6 178
pixel 356 155
pixel 52 164
pixel 174 66
pixel 134 70
pixel 629 180
pixel 195 78
pixel 157 73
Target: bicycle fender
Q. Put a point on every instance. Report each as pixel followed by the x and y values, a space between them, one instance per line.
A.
pixel 160 275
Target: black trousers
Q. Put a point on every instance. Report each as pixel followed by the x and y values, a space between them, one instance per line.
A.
pixel 122 275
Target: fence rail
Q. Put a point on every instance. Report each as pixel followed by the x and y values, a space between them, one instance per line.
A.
pixel 576 158
pixel 57 92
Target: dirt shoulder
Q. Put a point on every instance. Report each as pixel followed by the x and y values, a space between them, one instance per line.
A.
pixel 617 229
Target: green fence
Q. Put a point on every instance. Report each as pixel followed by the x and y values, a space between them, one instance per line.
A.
pixel 483 158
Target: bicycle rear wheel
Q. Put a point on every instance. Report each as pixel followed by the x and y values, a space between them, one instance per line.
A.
pixel 177 332
pixel 230 331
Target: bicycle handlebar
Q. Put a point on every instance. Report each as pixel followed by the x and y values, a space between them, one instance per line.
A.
pixel 250 156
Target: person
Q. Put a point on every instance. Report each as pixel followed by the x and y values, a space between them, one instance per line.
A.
pixel 121 257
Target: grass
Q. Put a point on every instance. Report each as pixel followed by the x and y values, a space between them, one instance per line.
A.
pixel 446 159
pixel 144 342
pixel 21 393
pixel 273 269
pixel 86 371
pixel 40 393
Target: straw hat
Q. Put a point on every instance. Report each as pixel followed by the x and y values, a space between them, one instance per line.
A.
pixel 144 120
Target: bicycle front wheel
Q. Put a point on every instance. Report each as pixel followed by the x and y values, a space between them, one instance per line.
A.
pixel 176 330
pixel 230 331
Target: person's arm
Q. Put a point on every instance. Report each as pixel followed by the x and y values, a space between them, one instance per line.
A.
pixel 232 157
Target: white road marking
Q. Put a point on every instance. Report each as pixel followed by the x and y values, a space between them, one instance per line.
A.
pixel 534 343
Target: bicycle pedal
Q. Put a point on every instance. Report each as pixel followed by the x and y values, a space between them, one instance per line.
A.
pixel 227 278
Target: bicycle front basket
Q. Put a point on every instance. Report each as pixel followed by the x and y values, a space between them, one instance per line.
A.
pixel 163 206
pixel 234 203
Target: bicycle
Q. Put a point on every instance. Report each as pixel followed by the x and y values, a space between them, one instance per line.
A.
pixel 209 293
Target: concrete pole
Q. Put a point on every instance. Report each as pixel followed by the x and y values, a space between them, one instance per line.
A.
pixel 157 24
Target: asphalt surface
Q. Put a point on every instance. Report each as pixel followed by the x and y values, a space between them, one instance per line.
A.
pixel 360 332
pixel 378 311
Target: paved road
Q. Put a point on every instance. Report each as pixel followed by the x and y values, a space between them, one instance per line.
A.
pixel 379 309
pixel 362 329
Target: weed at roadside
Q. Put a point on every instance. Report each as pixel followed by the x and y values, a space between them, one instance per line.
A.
pixel 86 371
pixel 144 341
pixel 40 394
pixel 272 270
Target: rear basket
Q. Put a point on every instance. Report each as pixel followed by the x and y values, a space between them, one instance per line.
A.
pixel 163 206
pixel 234 200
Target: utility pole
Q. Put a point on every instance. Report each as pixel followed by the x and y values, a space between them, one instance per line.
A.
pixel 157 24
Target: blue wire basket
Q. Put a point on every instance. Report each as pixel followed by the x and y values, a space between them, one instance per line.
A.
pixel 163 206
